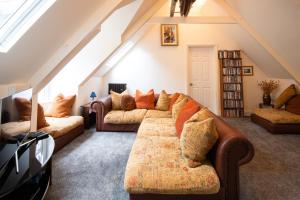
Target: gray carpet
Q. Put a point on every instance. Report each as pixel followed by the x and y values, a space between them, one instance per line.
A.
pixel 92 166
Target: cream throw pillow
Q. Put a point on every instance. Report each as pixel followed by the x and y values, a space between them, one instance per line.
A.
pixel 201 115
pixel 177 107
pixel 196 140
pixel 116 99
pixel 286 95
pixel 163 101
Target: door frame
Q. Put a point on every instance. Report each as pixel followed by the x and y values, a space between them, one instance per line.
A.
pixel 216 71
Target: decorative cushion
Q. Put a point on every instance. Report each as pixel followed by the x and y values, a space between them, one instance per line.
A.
pixel 135 116
pixel 177 107
pixel 61 106
pixel 287 94
pixel 201 115
pixel 173 99
pixel 189 109
pixel 155 165
pixel 145 101
pixel 157 127
pixel 24 107
pixel 158 114
pixel 196 140
pixel 293 105
pixel 127 102
pixel 163 101
pixel 278 116
pixel 116 99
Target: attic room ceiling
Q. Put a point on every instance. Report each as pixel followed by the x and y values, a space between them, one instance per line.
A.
pixel 43 38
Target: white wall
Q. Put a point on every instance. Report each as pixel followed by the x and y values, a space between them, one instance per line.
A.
pixel 149 65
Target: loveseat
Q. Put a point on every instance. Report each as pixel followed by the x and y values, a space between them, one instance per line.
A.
pixel 63 130
pixel 280 121
pixel 156 169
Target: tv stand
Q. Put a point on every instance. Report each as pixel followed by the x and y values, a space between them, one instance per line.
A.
pixel 30 177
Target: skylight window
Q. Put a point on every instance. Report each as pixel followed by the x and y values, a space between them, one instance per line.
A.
pixel 16 17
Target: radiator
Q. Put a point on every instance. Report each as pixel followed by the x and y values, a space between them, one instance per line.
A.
pixel 116 87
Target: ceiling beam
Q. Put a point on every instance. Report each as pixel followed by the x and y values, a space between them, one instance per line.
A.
pixel 193 20
pixel 245 25
pixel 172 7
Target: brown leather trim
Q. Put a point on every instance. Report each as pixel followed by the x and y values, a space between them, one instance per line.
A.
pixel 217 196
pixel 63 140
pixel 276 128
pixel 120 127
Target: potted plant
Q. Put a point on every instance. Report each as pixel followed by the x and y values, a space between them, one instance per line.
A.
pixel 268 87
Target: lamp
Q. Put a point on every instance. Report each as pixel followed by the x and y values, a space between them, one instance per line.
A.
pixel 93 95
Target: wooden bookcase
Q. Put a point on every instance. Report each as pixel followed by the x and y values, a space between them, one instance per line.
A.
pixel 232 98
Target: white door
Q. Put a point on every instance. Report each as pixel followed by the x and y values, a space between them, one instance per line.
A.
pixel 201 76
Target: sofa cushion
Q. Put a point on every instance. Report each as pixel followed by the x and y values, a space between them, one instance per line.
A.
pixel 61 106
pixel 278 116
pixel 61 126
pixel 177 107
pixel 127 102
pixel 11 129
pixel 293 105
pixel 157 127
pixel 155 165
pixel 163 101
pixel 158 114
pixel 287 94
pixel 116 99
pixel 201 115
pixel 173 99
pixel 145 101
pixel 24 107
pixel 189 109
pixel 135 116
pixel 197 139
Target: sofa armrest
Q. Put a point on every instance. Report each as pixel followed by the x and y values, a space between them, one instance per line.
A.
pixel 232 150
pixel 101 108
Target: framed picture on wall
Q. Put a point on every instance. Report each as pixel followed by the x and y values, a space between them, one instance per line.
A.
pixel 247 70
pixel 169 35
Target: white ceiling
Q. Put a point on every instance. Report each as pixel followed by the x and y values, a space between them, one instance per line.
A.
pixel 278 22
pixel 44 38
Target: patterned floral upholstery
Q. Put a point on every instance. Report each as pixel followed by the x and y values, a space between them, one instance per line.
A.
pixel 125 117
pixel 157 127
pixel 155 165
pixel 158 114
pixel 278 116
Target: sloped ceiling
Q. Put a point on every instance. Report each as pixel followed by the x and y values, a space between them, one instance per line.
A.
pixel 44 38
pixel 278 22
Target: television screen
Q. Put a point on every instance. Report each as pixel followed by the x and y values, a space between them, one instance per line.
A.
pixel 15 123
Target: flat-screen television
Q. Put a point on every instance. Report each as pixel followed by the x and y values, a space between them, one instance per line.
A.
pixel 13 130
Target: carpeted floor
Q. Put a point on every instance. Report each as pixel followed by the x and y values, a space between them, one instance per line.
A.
pixel 92 166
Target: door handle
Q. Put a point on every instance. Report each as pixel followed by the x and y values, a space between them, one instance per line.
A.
pixel 191 84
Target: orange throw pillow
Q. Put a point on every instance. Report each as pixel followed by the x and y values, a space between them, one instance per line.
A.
pixel 189 109
pixel 173 97
pixel 24 107
pixel 145 101
pixel 61 106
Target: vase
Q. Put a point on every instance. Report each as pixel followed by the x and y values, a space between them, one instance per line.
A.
pixel 267 99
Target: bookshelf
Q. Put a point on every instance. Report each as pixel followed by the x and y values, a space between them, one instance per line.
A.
pixel 232 98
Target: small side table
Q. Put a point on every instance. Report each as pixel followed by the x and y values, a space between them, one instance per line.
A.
pixel 88 116
pixel 261 105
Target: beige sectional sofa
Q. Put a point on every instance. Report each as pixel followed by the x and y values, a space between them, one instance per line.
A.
pixel 156 169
